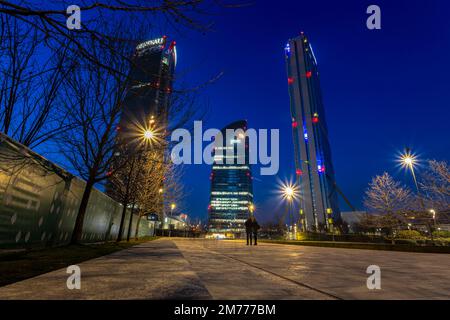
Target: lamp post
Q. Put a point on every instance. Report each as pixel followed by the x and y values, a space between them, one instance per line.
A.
pixel 251 208
pixel 408 161
pixel 433 214
pixel 289 193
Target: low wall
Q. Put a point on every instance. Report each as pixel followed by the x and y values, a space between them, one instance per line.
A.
pixel 39 203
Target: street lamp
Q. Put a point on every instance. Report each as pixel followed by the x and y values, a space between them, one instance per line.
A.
pixel 172 206
pixel 148 134
pixel 408 161
pixel 289 193
pixel 433 213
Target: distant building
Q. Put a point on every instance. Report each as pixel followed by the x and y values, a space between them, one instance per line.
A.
pixel 231 197
pixel 314 168
pixel 350 218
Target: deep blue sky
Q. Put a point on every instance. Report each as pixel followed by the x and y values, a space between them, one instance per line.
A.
pixel 383 89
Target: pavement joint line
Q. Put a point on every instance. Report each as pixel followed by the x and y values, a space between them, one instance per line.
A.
pixel 280 276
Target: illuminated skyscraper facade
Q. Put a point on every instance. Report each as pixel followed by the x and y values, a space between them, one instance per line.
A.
pixel 147 101
pixel 314 169
pixel 231 199
pixel 150 86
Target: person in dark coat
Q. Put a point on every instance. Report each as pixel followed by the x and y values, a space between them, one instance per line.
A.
pixel 255 228
pixel 249 230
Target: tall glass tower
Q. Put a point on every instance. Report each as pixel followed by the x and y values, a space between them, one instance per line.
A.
pixel 147 100
pixel 231 199
pixel 314 169
pixel 150 85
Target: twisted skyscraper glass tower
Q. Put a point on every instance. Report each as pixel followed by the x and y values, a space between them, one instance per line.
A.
pixel 314 169
pixel 231 199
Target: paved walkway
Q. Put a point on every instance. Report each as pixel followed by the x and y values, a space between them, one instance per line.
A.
pixel 210 269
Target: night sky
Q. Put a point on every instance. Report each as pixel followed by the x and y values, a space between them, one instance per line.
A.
pixel 383 90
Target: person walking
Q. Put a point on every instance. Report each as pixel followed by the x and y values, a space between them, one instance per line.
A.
pixel 249 230
pixel 255 228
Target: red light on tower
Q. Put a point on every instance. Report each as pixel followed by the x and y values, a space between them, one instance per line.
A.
pixel 290 80
pixel 315 119
pixel 309 74
pixel 298 172
pixel 294 124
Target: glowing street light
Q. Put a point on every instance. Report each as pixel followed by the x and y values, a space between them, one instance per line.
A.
pixel 408 161
pixel 149 135
pixel 172 206
pixel 289 192
pixel 433 213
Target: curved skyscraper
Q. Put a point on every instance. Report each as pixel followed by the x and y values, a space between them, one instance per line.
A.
pixel 147 100
pixel 150 85
pixel 314 169
pixel 231 199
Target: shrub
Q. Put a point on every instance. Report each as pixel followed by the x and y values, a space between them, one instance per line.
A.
pixel 409 234
pixel 420 242
pixel 441 234
pixel 410 242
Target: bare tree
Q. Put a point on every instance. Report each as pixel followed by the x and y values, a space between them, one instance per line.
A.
pixel 138 173
pixel 389 201
pixel 385 195
pixel 93 107
pixel 97 19
pixel 435 182
pixel 161 183
pixel 29 84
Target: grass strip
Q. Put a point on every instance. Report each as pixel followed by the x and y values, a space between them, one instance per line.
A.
pixel 17 266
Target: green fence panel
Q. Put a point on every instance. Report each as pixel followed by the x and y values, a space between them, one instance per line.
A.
pixel 39 203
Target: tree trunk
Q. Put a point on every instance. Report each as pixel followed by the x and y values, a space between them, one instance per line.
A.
pixel 78 228
pixel 122 221
pixel 430 229
pixel 136 232
pixel 125 204
pixel 131 222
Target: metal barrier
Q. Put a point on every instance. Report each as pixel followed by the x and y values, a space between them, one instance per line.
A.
pixel 39 203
